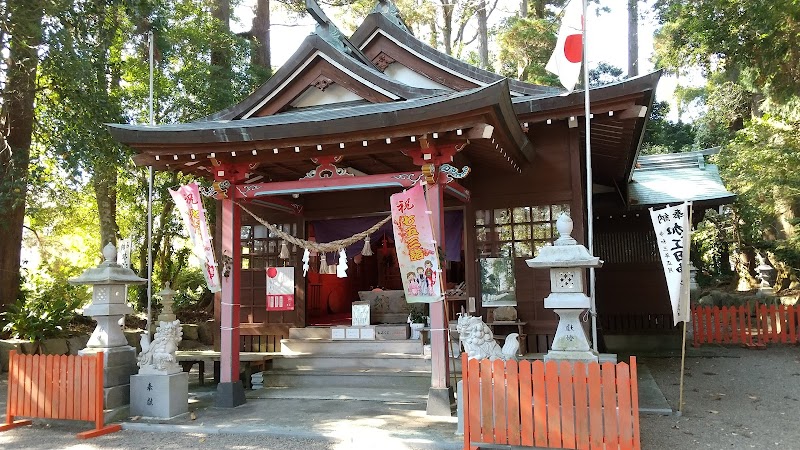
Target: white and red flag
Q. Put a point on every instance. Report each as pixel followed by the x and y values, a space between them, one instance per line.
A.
pixel 190 205
pixel 566 58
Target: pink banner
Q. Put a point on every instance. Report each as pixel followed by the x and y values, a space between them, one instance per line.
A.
pixel 187 199
pixel 416 247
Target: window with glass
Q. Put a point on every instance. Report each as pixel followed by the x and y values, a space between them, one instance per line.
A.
pixel 519 232
pixel 261 247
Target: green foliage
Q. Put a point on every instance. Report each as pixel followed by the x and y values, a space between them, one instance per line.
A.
pixel 417 316
pixel 755 39
pixel 191 290
pixel 664 136
pixel 45 310
pixel 604 74
pixel 525 46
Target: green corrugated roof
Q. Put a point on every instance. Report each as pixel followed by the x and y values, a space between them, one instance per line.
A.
pixel 669 179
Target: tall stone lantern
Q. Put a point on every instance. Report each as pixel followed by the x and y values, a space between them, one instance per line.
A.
pixel 567 261
pixel 108 307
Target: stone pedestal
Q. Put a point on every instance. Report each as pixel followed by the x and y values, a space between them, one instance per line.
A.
pixel 570 341
pixel 159 396
pixel 119 363
pixel 440 401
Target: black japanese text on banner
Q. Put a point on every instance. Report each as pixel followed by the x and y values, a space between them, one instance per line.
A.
pixel 673 232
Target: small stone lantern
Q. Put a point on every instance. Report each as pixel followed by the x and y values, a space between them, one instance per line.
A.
pixel 108 308
pixel 166 302
pixel 766 274
pixel 567 261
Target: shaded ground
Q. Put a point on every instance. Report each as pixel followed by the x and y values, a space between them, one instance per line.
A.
pixel 738 399
pixel 734 399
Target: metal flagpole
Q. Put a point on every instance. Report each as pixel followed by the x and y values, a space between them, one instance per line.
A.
pixel 685 291
pixel 150 201
pixel 589 209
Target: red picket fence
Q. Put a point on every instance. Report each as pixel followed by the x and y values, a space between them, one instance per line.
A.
pixel 778 324
pixel 56 387
pixel 726 325
pixel 553 405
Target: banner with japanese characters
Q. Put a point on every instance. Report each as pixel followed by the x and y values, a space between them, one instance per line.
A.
pixel 416 246
pixel 673 233
pixel 280 288
pixel 190 205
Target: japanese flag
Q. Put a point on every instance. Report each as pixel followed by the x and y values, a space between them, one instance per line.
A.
pixel 566 59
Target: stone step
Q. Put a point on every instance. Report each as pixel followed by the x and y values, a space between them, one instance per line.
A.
pixel 362 361
pixel 382 394
pixel 340 347
pixel 348 377
pixel 310 333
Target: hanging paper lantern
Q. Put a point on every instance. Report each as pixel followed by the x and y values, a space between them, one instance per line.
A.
pixel 341 268
pixel 367 251
pixel 284 254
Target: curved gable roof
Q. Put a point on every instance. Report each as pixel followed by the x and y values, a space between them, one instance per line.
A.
pixel 379 34
pixel 317 58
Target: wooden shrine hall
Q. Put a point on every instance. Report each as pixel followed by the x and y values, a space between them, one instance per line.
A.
pixel 345 123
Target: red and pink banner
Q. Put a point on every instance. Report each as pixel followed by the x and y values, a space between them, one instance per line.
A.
pixel 190 205
pixel 416 246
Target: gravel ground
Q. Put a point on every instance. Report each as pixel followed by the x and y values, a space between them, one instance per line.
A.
pixel 736 399
pixel 739 399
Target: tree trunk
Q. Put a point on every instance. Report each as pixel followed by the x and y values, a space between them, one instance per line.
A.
pixel 523 8
pixel 260 30
pixel 447 26
pixel 633 38
pixel 104 182
pixel 538 9
pixel 17 125
pixel 221 77
pixel 483 34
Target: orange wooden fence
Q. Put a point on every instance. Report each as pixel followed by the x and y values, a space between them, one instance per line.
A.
pixel 726 325
pixel 553 405
pixel 778 324
pixel 56 387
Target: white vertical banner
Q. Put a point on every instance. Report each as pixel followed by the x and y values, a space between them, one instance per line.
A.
pixel 673 233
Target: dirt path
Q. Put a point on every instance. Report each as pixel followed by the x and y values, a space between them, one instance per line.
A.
pixel 739 399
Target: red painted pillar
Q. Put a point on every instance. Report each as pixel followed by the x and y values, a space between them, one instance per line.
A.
pixel 230 392
pixel 440 395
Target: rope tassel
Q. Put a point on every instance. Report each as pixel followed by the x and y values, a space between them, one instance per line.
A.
pixel 284 254
pixel 323 263
pixel 367 248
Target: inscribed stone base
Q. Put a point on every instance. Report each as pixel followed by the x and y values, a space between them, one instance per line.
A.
pixel 392 332
pixel 582 356
pixel 230 395
pixel 159 396
pixel 440 402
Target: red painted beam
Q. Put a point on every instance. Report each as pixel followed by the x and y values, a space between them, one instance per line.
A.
pixel 328 184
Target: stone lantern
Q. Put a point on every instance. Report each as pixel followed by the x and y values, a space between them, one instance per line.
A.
pixel 766 274
pixel 108 308
pixel 567 261
pixel 166 302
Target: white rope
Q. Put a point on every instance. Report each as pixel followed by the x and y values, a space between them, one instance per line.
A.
pixel 321 247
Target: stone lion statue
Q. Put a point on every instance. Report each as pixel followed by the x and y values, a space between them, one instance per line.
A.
pixel 158 356
pixel 479 342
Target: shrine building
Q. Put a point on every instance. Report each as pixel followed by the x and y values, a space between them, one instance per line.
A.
pixel 319 148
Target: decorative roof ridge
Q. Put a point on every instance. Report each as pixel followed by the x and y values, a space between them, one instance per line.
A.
pixel 388 9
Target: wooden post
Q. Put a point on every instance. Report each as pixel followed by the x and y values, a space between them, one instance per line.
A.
pixel 230 392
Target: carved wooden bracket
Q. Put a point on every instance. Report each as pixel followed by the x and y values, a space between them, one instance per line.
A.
pixel 322 82
pixel 382 61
